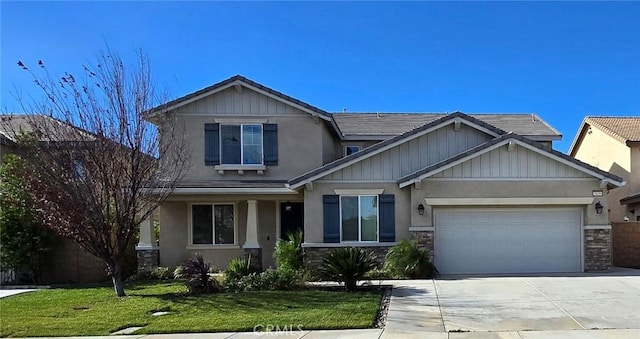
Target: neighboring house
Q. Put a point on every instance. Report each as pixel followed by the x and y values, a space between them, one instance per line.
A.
pixel 613 144
pixel 482 193
pixel 67 262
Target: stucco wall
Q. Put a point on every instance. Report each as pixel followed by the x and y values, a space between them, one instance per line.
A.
pixel 603 151
pixel 303 141
pixel 434 188
pixel 313 219
pixel 174 228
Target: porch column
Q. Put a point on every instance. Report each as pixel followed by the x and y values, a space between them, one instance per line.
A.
pixel 147 251
pixel 251 245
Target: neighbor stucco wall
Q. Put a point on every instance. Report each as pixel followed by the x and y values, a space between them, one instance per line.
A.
pixel 609 154
pixel 313 218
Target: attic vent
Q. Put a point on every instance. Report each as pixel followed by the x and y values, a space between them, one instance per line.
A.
pixel 533 117
pixel 344 110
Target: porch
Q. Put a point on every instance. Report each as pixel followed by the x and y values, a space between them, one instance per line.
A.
pixel 219 227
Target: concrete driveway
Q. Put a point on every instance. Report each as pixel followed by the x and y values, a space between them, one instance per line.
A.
pixel 508 304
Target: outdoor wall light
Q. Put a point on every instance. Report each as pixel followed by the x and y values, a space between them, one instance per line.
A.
pixel 599 208
pixel 421 209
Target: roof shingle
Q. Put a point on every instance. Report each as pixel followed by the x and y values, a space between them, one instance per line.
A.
pixel 626 128
pixel 392 124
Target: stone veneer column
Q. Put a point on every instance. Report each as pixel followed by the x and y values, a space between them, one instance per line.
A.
pixel 424 236
pixel 147 252
pixel 251 246
pixel 597 248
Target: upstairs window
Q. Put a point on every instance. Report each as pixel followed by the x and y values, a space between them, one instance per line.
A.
pixel 241 144
pixel 348 150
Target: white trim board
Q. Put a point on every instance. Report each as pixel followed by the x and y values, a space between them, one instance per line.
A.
pixel 597 227
pixel 508 201
pixel 358 191
pixel 231 190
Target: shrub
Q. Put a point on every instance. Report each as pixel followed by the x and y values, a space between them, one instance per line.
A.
pixel 269 280
pixel 377 273
pixel 288 253
pixel 238 268
pixel 406 260
pixel 196 272
pixel 156 273
pixel 347 265
pixel 26 242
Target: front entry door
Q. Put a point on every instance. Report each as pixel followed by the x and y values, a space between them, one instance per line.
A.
pixel 291 218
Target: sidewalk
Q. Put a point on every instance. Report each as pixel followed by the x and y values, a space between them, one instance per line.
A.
pixel 383 334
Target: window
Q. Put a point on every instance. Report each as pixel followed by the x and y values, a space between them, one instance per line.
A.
pixel 241 144
pixel 359 218
pixel 348 150
pixel 212 224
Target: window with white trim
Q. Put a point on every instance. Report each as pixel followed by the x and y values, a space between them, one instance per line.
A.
pixel 212 224
pixel 359 218
pixel 348 150
pixel 241 144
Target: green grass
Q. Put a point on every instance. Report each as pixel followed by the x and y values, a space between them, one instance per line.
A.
pixel 96 311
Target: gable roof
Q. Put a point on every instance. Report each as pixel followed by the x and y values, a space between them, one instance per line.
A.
pixel 358 125
pixel 392 142
pixel 12 124
pixel 624 129
pixel 504 139
pixel 238 80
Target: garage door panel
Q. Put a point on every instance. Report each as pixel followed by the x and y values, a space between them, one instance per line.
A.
pixel 507 240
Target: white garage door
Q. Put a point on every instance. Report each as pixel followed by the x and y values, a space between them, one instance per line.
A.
pixel 526 240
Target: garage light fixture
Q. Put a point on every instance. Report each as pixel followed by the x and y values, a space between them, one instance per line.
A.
pixel 421 209
pixel 599 208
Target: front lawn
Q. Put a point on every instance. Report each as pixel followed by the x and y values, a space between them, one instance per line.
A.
pixel 96 311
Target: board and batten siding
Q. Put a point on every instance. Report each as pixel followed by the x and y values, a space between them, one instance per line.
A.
pixel 518 163
pixel 411 156
pixel 231 102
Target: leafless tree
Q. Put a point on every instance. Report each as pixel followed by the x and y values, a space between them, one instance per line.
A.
pixel 97 181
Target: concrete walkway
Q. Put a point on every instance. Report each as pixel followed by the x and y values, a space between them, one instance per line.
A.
pixel 376 334
pixel 13 291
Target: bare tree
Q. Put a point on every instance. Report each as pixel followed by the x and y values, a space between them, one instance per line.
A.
pixel 97 181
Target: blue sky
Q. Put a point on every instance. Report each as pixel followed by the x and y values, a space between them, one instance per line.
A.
pixel 562 60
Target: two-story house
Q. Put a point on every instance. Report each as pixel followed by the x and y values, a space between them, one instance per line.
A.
pixel 613 144
pixel 67 262
pixel 482 193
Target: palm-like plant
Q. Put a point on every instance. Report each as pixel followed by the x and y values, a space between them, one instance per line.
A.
pixel 407 260
pixel 288 253
pixel 347 265
pixel 196 272
pixel 238 268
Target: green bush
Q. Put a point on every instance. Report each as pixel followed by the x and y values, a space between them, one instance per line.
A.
pixel 269 280
pixel 377 273
pixel 156 273
pixel 406 260
pixel 238 268
pixel 196 272
pixel 288 252
pixel 347 265
pixel 25 241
